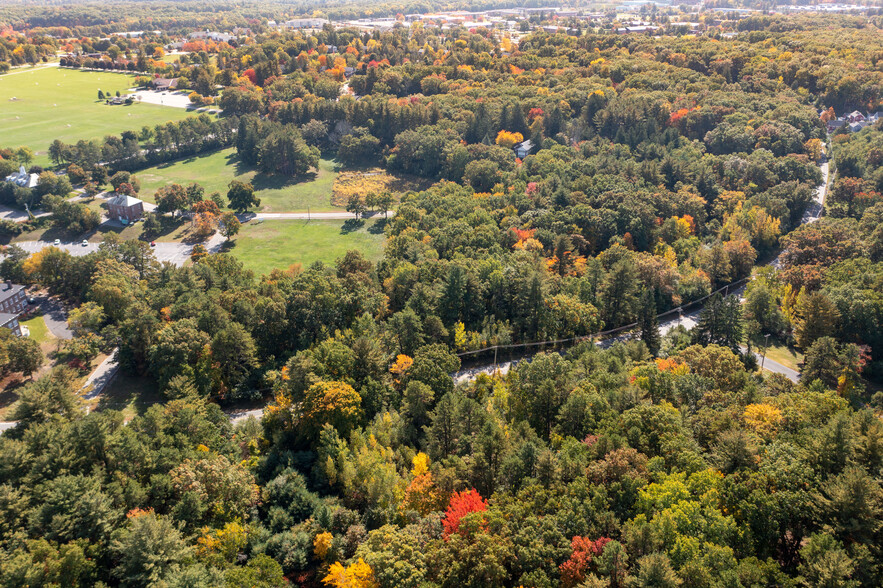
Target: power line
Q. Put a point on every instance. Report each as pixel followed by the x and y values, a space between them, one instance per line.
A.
pixel 679 309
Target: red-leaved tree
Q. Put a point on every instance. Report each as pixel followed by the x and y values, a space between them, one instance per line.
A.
pixel 462 503
pixel 574 570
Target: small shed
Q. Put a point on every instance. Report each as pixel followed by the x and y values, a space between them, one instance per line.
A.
pixel 123 207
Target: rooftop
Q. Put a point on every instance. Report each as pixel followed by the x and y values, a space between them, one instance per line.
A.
pixel 124 200
pixel 8 290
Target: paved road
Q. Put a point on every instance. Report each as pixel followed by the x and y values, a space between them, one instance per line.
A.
pixel 101 376
pixel 171 99
pixel 241 415
pixel 18 216
pixel 28 69
pixel 108 368
pixel 776 367
pixel 341 215
pixel 55 317
pixel 175 253
pixel 689 320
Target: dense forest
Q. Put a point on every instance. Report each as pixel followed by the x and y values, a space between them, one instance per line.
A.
pixel 661 169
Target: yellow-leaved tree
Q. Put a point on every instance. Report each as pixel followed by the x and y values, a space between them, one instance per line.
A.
pixel 509 140
pixel 764 419
pixel 355 575
pixel 335 403
pixel 322 544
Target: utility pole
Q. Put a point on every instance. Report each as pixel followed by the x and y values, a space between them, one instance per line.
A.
pixel 766 344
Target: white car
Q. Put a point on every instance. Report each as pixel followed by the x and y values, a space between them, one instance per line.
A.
pixel 57 242
pixel 85 243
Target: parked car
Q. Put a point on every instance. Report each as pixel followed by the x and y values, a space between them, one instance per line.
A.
pixel 153 243
pixel 57 242
pixel 85 243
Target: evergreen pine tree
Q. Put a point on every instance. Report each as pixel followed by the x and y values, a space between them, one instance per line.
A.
pixel 708 326
pixel 720 322
pixel 647 321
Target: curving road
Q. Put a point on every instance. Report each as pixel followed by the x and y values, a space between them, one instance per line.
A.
pixel 55 317
pixel 689 320
pixel 105 372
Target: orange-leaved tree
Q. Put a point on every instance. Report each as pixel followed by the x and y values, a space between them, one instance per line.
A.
pixel 462 504
pixel 574 570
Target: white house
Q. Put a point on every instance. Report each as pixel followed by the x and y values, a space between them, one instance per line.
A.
pixel 23 178
pixel 523 149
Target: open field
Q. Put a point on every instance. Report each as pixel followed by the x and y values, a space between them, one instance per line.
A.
pixel 215 170
pixel 54 103
pixel 281 243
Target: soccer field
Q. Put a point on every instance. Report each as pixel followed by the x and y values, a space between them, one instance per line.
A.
pixel 41 105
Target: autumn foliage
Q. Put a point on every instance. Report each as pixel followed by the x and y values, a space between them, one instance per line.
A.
pixel 462 504
pixel 507 139
pixel 574 570
pixel 356 575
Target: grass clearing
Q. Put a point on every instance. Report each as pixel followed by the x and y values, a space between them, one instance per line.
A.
pixel 783 354
pixel 273 244
pixel 132 395
pixel 214 172
pixel 39 331
pixel 56 103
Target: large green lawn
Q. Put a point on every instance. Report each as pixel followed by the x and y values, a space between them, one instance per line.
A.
pixel 281 243
pixel 214 171
pixel 53 103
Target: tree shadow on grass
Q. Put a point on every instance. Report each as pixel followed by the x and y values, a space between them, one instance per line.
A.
pixel 267 181
pixel 192 158
pixel 125 390
pixel 263 181
pixel 9 393
pixel 378 226
pixel 351 225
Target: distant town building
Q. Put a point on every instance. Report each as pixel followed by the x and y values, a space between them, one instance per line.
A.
pixel 835 124
pixel 212 35
pixel 163 84
pixel 304 23
pixel 125 208
pixel 23 178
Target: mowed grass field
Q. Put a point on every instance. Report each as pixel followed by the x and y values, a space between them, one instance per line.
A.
pixel 214 171
pixel 273 244
pixel 54 103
